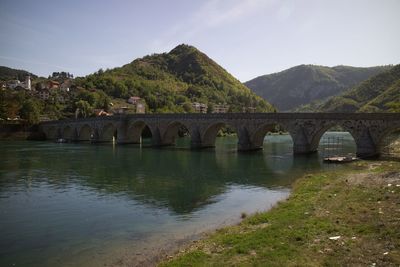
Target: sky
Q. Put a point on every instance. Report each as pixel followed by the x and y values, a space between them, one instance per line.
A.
pixel 248 38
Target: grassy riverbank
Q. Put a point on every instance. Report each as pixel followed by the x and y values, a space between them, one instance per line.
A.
pixel 333 218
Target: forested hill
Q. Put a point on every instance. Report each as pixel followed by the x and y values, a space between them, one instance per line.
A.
pixel 7 74
pixel 169 82
pixel 303 84
pixel 380 93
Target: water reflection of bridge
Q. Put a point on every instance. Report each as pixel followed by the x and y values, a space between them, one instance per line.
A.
pixel 368 129
pixel 181 181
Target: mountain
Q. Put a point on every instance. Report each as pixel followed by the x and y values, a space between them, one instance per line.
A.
pixel 291 88
pixel 380 93
pixel 7 74
pixel 170 82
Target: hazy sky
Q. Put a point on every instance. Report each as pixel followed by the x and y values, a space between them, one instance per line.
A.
pixel 247 37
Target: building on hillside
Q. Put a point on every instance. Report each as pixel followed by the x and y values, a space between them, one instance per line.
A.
pixel 40 86
pixel 101 112
pixel 13 84
pixel 65 86
pixel 220 108
pixel 140 108
pixel 28 83
pixel 199 107
pixel 134 99
pixel 138 103
pixel 249 109
pixel 43 94
pixel 53 85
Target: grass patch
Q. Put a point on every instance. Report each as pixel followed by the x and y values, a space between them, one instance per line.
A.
pixel 335 218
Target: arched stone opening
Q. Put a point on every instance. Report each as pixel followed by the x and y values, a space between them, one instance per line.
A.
pixel 138 132
pixel 69 133
pixel 109 133
pixel 173 131
pixel 52 133
pixel 389 143
pixel 335 140
pixel 220 129
pixel 85 133
pixel 274 137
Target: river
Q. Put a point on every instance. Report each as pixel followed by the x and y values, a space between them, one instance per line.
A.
pixel 91 205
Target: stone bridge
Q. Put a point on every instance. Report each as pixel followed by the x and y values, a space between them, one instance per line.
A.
pixel 306 129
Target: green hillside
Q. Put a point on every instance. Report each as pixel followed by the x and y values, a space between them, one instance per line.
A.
pixel 7 74
pixel 169 82
pixel 300 85
pixel 380 93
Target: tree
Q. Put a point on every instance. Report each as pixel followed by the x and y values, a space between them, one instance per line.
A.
pixel 10 104
pixel 3 105
pixel 87 96
pixel 30 111
pixel 121 90
pixel 393 106
pixel 83 108
pixel 102 100
pixel 187 106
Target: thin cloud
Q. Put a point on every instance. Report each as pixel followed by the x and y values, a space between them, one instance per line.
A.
pixel 213 14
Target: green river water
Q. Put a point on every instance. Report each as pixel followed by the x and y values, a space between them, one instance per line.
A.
pixel 95 205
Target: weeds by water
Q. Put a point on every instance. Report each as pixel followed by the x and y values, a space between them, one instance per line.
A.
pixel 338 218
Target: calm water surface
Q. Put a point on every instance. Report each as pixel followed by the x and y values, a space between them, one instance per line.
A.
pixel 91 205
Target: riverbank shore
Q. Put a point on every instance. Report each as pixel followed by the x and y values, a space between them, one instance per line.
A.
pixel 339 217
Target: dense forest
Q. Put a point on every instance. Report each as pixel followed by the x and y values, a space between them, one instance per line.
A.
pixel 300 85
pixel 380 93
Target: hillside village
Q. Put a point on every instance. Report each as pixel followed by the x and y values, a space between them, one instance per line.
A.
pixel 60 88
pixel 190 83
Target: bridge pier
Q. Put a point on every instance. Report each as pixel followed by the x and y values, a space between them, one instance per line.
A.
pixel 195 139
pixel 366 147
pixel 123 138
pixel 303 149
pixel 248 148
pixel 302 144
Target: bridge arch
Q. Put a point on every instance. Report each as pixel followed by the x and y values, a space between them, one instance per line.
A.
pixel 85 133
pixel 317 137
pixel 135 131
pixel 52 132
pixel 69 132
pixel 209 135
pixel 258 137
pixel 172 131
